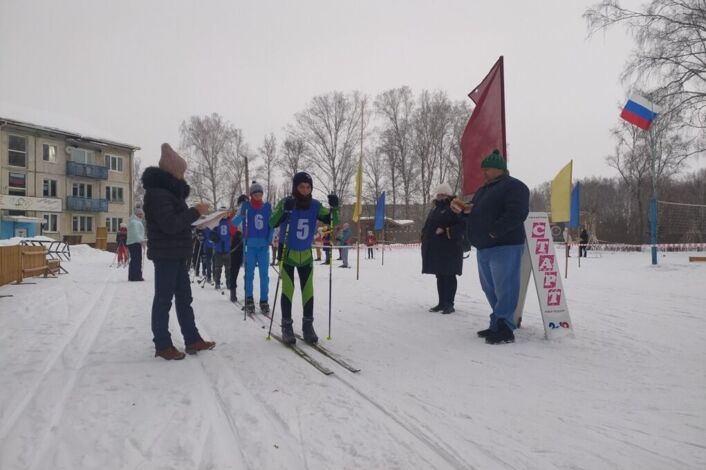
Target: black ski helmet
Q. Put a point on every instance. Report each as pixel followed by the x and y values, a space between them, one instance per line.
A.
pixel 301 177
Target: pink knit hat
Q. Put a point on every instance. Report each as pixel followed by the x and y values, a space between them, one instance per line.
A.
pixel 171 162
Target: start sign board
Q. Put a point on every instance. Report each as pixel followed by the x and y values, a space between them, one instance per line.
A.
pixel 539 259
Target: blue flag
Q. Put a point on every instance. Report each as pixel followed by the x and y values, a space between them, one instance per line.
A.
pixel 575 221
pixel 380 212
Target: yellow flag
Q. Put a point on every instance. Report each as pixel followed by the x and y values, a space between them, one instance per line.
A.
pixel 561 195
pixel 358 190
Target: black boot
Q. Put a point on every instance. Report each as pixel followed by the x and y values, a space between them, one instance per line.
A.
pixel 249 305
pixel 502 335
pixel 436 308
pixel 308 331
pixel 484 333
pixel 233 296
pixel 287 332
pixel 264 308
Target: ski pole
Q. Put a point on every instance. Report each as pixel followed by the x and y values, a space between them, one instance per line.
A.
pixel 330 278
pixel 198 258
pixel 287 214
pixel 245 259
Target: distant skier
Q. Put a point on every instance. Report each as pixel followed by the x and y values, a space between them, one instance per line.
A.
pixel 121 240
pixel 207 254
pixel 345 238
pixel 221 237
pixel 370 243
pixel 583 247
pixel 236 253
pixel 298 214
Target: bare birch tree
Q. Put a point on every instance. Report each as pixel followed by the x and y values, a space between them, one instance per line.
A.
pixel 291 155
pixel 268 152
pixel 670 52
pixel 432 124
pixel 330 129
pixel 210 144
pixel 395 108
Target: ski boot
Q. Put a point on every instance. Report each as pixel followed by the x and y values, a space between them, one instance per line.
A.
pixel 249 306
pixel 264 308
pixel 308 331
pixel 233 296
pixel 287 332
pixel 218 286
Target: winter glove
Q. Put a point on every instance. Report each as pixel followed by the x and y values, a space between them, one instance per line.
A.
pixel 332 201
pixel 289 203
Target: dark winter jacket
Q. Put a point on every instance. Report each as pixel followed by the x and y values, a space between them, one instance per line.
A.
pixel 500 208
pixel 584 236
pixel 167 215
pixel 442 254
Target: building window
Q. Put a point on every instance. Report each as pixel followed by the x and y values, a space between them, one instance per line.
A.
pixel 17 184
pixel 51 222
pixel 113 223
pixel 82 156
pixel 17 151
pixel 49 188
pixel 82 223
pixel 49 153
pixel 114 163
pixel 114 193
pixel 82 190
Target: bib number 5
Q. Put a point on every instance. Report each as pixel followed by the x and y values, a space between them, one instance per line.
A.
pixel 303 229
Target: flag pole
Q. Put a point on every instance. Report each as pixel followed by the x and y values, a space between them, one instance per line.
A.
pixel 383 241
pixel 359 189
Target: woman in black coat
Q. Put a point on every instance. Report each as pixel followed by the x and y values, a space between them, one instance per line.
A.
pixel 442 248
pixel 169 247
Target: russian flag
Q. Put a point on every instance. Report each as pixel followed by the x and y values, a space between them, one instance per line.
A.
pixel 639 112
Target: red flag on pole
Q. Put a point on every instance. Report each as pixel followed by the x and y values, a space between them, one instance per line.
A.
pixel 485 130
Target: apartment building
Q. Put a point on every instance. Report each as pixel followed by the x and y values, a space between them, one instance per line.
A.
pixel 67 183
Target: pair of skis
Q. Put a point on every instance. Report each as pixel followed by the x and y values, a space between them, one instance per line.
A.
pixel 322 350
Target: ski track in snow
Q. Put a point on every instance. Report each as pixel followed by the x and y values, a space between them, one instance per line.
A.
pixel 82 390
pixel 69 358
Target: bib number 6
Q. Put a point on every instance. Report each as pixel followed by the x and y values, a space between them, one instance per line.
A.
pixel 259 222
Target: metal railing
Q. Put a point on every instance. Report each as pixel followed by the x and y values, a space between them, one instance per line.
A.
pixel 86 170
pixel 74 203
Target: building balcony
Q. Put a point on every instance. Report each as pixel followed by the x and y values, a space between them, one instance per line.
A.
pixel 74 203
pixel 87 171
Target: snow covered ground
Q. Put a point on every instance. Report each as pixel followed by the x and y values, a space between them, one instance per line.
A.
pixel 80 388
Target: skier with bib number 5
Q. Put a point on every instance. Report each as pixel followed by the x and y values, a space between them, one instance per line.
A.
pixel 298 214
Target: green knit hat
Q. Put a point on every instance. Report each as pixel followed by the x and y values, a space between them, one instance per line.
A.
pixel 494 160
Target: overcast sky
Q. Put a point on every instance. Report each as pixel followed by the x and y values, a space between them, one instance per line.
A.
pixel 133 70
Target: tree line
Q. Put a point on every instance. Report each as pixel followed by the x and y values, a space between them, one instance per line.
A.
pixel 410 142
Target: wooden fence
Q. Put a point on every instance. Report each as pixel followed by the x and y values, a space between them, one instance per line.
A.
pixel 18 262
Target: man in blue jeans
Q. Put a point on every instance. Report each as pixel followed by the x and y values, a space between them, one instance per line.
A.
pixel 496 228
pixel 169 247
